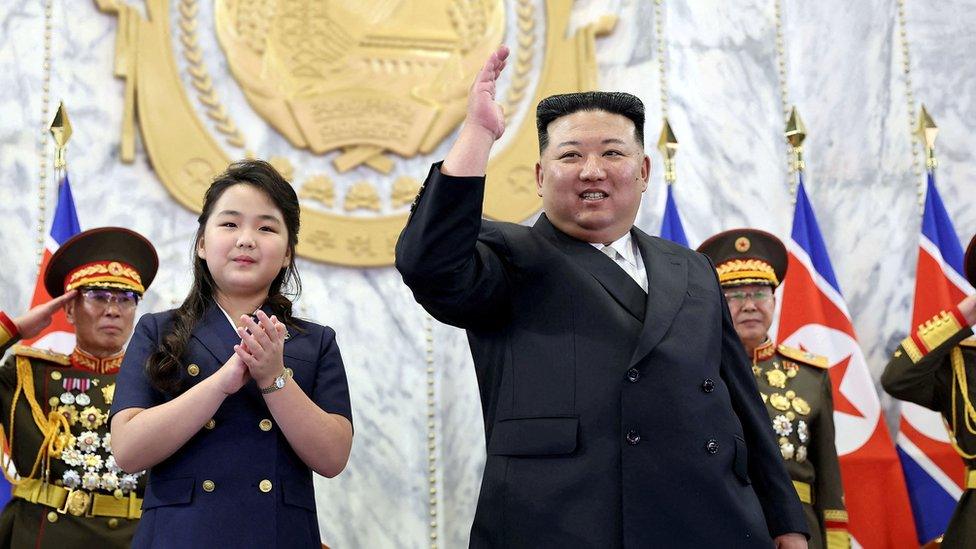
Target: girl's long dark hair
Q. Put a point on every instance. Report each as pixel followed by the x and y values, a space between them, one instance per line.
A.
pixel 164 366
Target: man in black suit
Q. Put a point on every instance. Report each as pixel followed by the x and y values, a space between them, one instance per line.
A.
pixel 619 406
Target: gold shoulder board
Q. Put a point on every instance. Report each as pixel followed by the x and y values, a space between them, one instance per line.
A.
pixel 805 357
pixel 968 342
pixel 42 354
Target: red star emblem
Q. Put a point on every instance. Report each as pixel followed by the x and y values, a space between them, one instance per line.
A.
pixel 841 404
pixel 836 374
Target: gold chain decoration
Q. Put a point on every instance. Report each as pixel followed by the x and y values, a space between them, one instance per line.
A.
pixel 523 58
pixel 784 92
pixel 661 55
pixel 201 77
pixel 43 134
pixel 959 381
pixel 906 67
pixel 431 430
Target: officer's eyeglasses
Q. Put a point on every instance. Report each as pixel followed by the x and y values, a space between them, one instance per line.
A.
pixel 758 296
pixel 102 298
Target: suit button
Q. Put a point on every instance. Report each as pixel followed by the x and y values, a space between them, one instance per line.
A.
pixel 633 375
pixel 193 370
pixel 113 523
pixel 264 424
pixel 708 385
pixel 56 375
pixel 210 424
pixel 633 438
pixel 208 486
pixel 54 402
pixel 711 446
pixel 265 486
pixel 52 516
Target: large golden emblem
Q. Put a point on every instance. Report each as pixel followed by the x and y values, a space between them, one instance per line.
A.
pixel 356 89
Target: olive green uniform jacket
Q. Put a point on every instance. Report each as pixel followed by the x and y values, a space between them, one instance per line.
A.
pixel 932 367
pixel 796 389
pixel 76 496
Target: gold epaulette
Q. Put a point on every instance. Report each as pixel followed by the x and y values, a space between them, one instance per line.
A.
pixel 42 354
pixel 968 342
pixel 806 357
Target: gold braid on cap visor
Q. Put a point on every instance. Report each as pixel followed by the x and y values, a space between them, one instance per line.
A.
pixel 105 274
pixel 746 271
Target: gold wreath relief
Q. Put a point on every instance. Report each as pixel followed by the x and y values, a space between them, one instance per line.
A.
pixel 370 82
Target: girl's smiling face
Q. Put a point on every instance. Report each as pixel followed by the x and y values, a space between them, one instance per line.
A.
pixel 245 242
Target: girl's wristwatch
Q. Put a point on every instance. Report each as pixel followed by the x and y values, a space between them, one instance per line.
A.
pixel 279 382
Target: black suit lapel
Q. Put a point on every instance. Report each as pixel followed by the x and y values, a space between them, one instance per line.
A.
pixel 667 282
pixel 614 279
pixel 216 334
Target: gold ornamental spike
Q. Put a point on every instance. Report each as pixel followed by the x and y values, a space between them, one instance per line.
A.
pixel 668 145
pixel 926 131
pixel 796 133
pixel 61 131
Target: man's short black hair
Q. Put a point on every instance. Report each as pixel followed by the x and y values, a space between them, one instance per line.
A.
pixel 557 106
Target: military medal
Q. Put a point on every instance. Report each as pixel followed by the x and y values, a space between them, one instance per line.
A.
pixel 90 480
pixel 801 406
pixel 802 431
pixel 801 453
pixel 108 393
pixel 82 399
pixel 71 479
pixel 786 448
pixel 110 481
pixel 88 441
pixel 776 378
pixel 782 425
pixel 91 418
pixel 69 412
pixel 779 402
pixel 67 398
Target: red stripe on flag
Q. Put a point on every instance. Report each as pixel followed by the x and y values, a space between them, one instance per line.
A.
pixel 934 293
pixel 941 454
pixel 59 322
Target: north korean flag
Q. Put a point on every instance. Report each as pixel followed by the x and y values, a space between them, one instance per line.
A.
pixel 814 316
pixel 933 471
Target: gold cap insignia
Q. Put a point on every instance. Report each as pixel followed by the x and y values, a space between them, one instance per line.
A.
pixel 742 244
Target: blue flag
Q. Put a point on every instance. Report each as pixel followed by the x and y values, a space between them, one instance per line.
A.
pixel 671 228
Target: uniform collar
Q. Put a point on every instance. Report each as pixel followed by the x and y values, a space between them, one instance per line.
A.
pixel 87 361
pixel 764 351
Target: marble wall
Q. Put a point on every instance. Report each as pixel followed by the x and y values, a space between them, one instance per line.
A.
pixel 844 73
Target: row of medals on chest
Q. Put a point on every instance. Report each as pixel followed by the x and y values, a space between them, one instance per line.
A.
pixel 88 455
pixel 788 402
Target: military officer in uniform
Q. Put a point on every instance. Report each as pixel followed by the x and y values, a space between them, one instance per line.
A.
pixel 932 368
pixel 54 407
pixel 793 383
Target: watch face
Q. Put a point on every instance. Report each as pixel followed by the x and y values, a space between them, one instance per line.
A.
pixel 280 382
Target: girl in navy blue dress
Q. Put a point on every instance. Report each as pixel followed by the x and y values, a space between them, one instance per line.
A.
pixel 230 402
